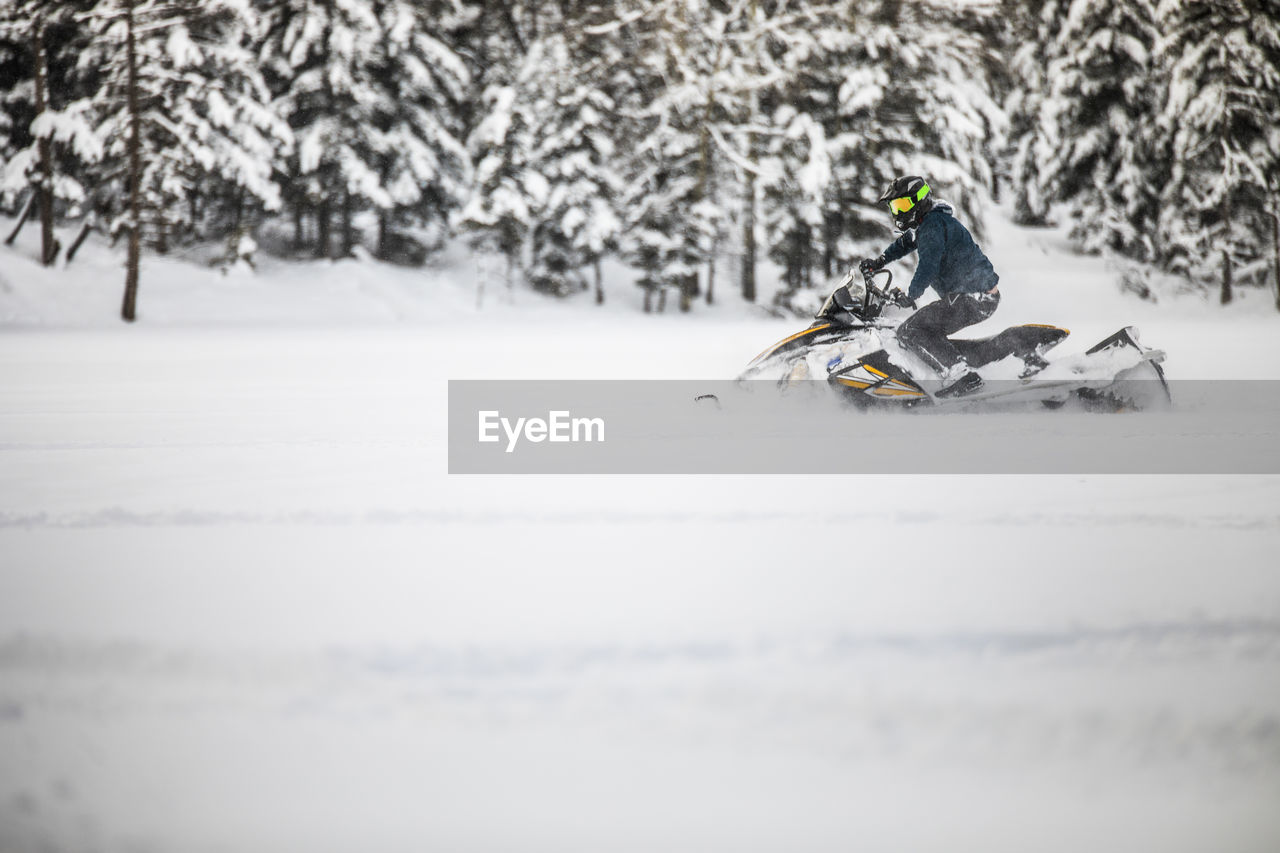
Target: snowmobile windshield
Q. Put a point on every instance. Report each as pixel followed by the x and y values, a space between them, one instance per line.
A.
pixel 857 292
pixel 849 297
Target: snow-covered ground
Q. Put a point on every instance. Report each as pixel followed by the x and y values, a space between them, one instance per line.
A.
pixel 243 607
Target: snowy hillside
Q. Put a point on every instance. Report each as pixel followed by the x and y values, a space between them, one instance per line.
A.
pixel 244 608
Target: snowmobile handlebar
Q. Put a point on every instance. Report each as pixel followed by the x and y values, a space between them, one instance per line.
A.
pixel 869 278
pixel 846 303
pixel 888 293
pixel 882 294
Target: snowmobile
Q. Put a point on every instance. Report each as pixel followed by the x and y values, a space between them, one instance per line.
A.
pixel 852 346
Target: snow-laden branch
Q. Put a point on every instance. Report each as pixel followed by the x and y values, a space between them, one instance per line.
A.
pixel 732 155
pixel 614 26
pixel 143 29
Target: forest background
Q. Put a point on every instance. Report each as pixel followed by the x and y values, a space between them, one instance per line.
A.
pixel 666 134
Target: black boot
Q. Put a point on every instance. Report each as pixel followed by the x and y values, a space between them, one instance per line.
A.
pixel 966 384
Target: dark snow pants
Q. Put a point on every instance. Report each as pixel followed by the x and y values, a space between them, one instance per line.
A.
pixel 925 332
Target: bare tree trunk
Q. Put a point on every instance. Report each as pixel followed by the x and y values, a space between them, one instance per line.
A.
pixel 80 238
pixel 749 217
pixel 830 239
pixel 689 285
pixel 708 187
pixel 22 217
pixel 348 230
pixel 648 300
pixel 54 246
pixel 238 218
pixel 806 258
pixel 1226 296
pixel 44 147
pixel 1226 277
pixel 299 236
pixel 322 228
pixel 129 310
pixel 793 263
pixel 711 272
pixel 749 241
pixel 599 283
pixel 1275 246
pixel 384 233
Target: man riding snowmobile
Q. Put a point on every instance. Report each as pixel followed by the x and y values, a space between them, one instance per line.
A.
pixel 953 265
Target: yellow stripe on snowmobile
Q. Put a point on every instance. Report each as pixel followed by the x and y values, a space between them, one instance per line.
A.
pixel 876 372
pixel 853 383
pixel 771 350
pixel 897 392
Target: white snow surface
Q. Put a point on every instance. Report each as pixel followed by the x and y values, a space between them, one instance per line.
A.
pixel 243 607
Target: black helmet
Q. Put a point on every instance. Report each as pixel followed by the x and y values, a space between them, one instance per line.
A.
pixel 908 199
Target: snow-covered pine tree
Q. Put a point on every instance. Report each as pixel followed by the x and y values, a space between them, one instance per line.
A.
pixel 1220 205
pixel 13 98
pixel 702 73
pixel 677 57
pixel 544 191
pixel 746 62
pixel 39 40
pixel 180 113
pixel 1098 116
pixel 668 234
pixel 797 174
pixel 306 59
pixel 838 84
pixel 320 60
pixel 576 221
pixel 772 114
pixel 374 92
pixel 416 126
pixel 499 215
pixel 662 237
pixel 786 58
pixel 29 22
pixel 1032 136
pixel 991 25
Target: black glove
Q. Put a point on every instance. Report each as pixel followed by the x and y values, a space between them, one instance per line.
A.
pixel 901 299
pixel 867 266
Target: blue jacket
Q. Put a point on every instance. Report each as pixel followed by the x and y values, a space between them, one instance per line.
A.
pixel 950 261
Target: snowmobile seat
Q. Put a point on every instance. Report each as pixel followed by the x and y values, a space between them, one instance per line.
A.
pixel 1028 341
